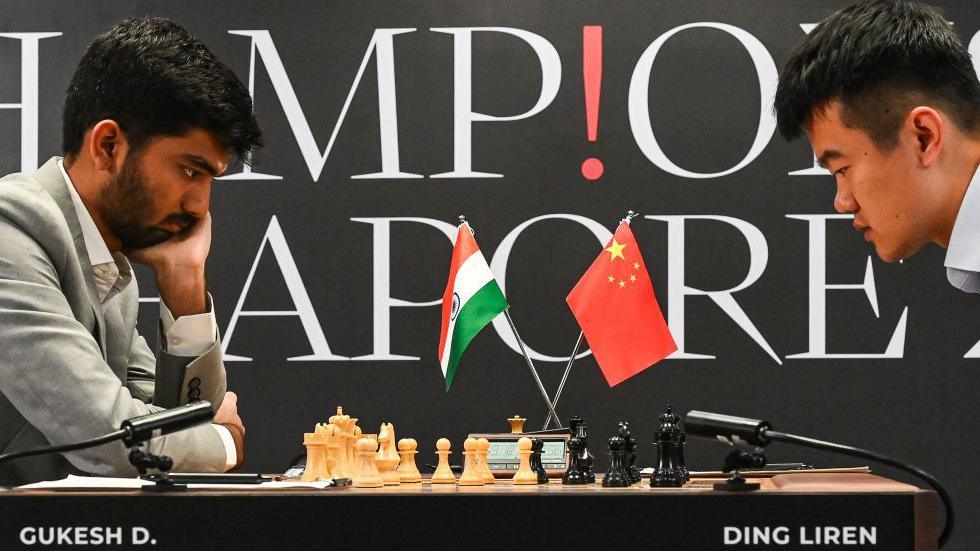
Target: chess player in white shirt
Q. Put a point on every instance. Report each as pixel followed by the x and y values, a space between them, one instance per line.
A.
pixel 889 98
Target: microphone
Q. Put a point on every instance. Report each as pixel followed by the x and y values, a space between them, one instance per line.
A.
pixel 727 428
pixel 142 428
pixel 134 431
pixel 732 430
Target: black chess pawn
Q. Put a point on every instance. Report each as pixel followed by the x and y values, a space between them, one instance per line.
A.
pixel 615 477
pixel 537 446
pixel 629 462
pixel 574 474
pixel 585 458
pixel 668 473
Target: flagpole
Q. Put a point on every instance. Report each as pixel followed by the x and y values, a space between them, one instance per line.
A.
pixel 630 215
pixel 534 372
pixel 568 368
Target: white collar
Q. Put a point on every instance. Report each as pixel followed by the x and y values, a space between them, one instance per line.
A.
pixel 964 243
pixel 98 252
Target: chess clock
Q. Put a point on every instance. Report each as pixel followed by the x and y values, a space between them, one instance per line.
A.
pixel 503 459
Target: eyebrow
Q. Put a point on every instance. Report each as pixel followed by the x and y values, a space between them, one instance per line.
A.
pixel 201 163
pixel 828 156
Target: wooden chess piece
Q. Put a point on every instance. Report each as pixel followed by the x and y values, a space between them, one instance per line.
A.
pixel 516 424
pixel 586 460
pixel 615 477
pixel 345 454
pixel 366 473
pixel 316 454
pixel 443 474
pixel 471 475
pixel 483 449
pixel 387 457
pixel 668 474
pixel 334 448
pixel 408 471
pixel 537 447
pixel 629 462
pixel 574 475
pixel 524 474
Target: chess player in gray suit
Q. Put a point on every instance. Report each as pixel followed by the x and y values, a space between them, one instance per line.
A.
pixel 151 117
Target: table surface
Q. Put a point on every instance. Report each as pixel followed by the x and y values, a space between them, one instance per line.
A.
pixel 790 483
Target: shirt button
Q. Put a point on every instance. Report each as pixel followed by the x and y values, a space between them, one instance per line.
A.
pixel 175 341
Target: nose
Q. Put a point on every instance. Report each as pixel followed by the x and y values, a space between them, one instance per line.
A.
pixel 198 200
pixel 844 202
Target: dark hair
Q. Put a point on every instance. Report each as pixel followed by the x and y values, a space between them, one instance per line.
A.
pixel 153 78
pixel 880 59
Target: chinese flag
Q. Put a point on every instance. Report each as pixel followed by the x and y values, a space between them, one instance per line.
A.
pixel 618 312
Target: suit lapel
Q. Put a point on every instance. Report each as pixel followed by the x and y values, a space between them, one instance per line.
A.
pixel 50 177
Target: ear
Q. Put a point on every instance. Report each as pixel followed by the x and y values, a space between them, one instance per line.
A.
pixel 927 125
pixel 107 146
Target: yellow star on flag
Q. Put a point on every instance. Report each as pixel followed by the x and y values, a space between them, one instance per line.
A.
pixel 632 277
pixel 636 265
pixel 622 283
pixel 611 279
pixel 615 251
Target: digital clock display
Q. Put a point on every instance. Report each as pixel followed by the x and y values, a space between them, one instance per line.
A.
pixel 503 454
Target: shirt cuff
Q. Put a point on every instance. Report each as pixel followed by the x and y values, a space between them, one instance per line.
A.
pixel 189 335
pixel 231 454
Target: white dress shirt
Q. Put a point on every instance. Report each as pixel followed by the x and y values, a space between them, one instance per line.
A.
pixel 963 254
pixel 186 336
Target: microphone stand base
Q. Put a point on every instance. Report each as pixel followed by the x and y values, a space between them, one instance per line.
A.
pixel 736 483
pixel 162 484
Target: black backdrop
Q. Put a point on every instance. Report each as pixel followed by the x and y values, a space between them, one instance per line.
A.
pixel 334 239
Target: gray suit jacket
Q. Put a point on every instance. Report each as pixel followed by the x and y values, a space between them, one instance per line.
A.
pixel 68 372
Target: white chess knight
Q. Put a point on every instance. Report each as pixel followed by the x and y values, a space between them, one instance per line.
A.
pixel 387 457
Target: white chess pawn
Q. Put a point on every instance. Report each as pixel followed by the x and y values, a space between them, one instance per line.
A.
pixel 443 474
pixel 366 474
pixel 524 473
pixel 471 473
pixel 483 449
pixel 408 471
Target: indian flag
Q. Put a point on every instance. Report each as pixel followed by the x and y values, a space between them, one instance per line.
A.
pixel 471 301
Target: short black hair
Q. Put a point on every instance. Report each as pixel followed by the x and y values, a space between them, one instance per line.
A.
pixel 154 79
pixel 880 59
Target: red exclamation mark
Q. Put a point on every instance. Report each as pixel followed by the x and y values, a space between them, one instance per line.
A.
pixel 592 76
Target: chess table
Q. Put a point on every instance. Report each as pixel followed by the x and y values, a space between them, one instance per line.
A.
pixel 501 516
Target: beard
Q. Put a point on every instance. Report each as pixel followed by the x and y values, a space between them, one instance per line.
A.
pixel 127 208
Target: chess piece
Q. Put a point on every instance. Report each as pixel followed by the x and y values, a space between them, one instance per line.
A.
pixel 387 457
pixel 349 433
pixel 667 474
pixel 630 445
pixel 524 474
pixel 516 424
pixel 366 473
pixel 343 467
pixel 685 474
pixel 615 477
pixel 574 475
pixel 408 471
pixel 586 460
pixel 483 449
pixel 316 454
pixel 443 474
pixel 471 475
pixel 537 446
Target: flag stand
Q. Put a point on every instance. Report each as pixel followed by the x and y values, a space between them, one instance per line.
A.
pixel 534 372
pixel 564 377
